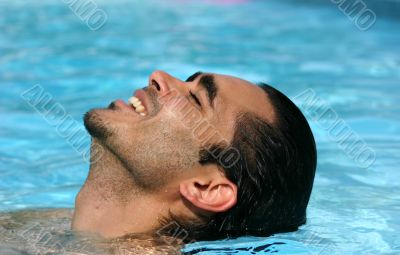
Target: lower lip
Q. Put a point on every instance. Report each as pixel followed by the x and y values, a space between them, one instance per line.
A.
pixel 122 105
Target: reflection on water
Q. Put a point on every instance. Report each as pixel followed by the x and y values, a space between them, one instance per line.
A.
pixel 48 232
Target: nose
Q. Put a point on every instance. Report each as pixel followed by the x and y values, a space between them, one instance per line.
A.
pixel 163 82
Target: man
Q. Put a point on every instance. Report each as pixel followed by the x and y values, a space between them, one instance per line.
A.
pixel 212 157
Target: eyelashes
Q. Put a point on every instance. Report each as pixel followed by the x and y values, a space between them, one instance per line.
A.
pixel 195 98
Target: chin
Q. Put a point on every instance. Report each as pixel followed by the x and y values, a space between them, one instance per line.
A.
pixel 96 125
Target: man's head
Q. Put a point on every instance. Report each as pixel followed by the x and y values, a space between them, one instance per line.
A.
pixel 226 156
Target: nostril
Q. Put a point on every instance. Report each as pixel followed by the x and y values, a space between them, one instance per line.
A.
pixel 159 80
pixel 155 83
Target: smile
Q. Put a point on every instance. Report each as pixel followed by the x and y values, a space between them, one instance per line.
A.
pixel 137 105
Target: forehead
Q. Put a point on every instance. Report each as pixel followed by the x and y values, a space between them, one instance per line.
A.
pixel 236 96
pixel 243 96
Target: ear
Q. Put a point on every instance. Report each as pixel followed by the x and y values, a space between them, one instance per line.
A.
pixel 212 192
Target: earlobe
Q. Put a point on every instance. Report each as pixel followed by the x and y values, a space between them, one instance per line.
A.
pixel 217 195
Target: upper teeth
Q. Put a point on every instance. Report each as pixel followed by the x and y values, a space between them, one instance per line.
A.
pixel 137 104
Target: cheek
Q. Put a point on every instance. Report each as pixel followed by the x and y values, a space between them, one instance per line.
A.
pixel 183 112
pixel 171 137
pixel 160 145
pixel 204 131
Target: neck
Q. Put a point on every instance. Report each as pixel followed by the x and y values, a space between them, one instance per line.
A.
pixel 110 204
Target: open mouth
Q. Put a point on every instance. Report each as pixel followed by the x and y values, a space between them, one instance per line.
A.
pixel 137 105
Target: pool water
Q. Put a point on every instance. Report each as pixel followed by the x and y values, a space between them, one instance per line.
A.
pixel 301 48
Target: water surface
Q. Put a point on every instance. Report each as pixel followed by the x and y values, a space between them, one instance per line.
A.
pixel 289 44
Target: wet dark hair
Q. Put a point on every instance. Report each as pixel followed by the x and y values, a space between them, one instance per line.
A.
pixel 274 175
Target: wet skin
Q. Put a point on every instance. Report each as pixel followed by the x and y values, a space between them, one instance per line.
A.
pixel 151 163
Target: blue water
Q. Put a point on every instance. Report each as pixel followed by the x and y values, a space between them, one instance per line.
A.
pixel 290 44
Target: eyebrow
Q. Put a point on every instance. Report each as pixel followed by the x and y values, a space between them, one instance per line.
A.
pixel 193 76
pixel 207 82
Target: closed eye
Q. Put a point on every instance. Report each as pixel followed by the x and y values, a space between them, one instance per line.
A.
pixel 195 98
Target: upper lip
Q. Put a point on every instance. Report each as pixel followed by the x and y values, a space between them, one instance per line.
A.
pixel 142 96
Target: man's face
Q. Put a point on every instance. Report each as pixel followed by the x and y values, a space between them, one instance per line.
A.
pixel 159 135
